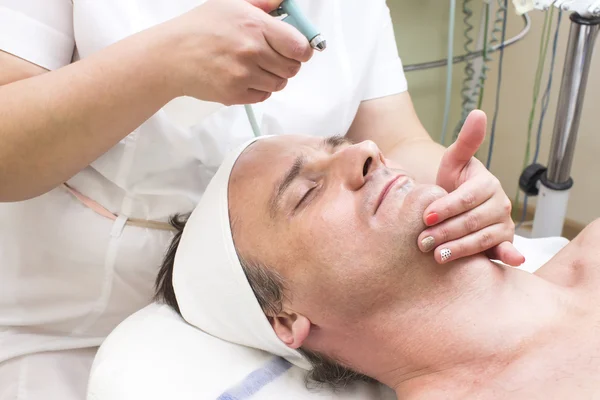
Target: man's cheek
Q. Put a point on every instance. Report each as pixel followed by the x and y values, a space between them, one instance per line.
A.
pixel 338 216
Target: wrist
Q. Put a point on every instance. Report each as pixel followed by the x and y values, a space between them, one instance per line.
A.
pixel 153 63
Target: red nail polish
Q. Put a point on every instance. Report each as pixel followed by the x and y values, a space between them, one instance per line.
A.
pixel 431 219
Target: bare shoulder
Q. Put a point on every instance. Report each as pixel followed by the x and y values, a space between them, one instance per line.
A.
pixel 589 236
pixel 578 262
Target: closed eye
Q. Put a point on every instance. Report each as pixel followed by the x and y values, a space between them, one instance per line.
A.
pixel 303 199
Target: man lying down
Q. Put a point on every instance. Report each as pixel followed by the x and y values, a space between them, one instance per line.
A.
pixel 324 271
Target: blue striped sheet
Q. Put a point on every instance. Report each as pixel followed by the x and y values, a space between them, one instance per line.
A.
pixel 256 380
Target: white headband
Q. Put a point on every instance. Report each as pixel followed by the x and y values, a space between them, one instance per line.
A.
pixel 211 288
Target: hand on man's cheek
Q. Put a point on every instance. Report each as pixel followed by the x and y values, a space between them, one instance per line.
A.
pixel 475 216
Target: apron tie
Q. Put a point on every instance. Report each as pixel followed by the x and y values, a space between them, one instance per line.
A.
pixel 100 210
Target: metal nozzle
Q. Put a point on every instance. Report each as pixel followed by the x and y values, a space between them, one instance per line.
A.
pixel 318 43
pixel 278 12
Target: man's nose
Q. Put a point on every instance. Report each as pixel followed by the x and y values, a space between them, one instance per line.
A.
pixel 357 162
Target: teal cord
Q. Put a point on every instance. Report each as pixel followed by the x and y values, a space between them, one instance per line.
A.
pixel 252 120
pixel 449 69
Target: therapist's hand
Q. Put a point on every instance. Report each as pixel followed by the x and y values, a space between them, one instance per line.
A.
pixel 475 215
pixel 231 51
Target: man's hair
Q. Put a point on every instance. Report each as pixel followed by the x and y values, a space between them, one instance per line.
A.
pixel 269 288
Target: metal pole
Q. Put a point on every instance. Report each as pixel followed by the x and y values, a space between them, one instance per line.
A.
pixel 556 182
pixel 572 91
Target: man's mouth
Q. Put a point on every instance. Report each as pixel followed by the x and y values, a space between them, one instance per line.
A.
pixel 388 187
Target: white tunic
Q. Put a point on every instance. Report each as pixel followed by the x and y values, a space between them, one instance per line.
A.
pixel 67 275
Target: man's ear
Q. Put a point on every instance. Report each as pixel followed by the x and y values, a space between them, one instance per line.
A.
pixel 291 328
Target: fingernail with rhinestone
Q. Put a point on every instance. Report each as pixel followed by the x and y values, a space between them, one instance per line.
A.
pixel 428 243
pixel 446 254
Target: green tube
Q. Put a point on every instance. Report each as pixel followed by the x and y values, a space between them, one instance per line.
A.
pixel 252 120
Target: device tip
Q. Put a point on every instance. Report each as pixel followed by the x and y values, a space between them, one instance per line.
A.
pixel 318 43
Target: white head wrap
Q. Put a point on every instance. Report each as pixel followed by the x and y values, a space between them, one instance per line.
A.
pixel 211 288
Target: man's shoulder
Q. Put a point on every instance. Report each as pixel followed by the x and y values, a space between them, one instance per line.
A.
pixel 578 262
pixel 587 243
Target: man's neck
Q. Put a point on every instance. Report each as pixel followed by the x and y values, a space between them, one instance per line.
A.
pixel 478 319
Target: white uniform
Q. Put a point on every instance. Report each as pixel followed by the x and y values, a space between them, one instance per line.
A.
pixel 67 275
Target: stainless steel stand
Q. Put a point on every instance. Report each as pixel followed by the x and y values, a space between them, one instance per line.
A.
pixel 556 182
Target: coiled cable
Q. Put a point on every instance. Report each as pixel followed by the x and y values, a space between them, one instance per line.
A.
pixel 501 13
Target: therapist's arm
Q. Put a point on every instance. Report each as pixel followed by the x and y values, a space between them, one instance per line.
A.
pixel 54 124
pixel 392 123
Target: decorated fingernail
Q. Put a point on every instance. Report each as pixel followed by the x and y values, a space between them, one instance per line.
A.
pixel 446 254
pixel 428 243
pixel 431 219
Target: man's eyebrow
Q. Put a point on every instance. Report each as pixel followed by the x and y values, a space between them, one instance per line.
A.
pixel 285 183
pixel 336 141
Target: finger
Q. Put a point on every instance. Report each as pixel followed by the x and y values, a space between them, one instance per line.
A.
pixel 474 243
pixel 253 96
pixel 279 65
pixel 462 225
pixel 287 40
pixel 462 150
pixel 265 5
pixel 265 81
pixel 507 253
pixel 469 195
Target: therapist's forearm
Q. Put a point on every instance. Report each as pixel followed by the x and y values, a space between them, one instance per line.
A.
pixel 55 124
pixel 419 156
pixel 392 123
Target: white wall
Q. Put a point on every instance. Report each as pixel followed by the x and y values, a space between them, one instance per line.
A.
pixel 421 33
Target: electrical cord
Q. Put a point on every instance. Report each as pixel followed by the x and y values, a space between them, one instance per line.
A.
pixel 469 72
pixel 476 95
pixel 546 96
pixel 449 69
pixel 486 58
pixel 502 10
pixel 544 40
pixel 538 79
pixel 475 54
pixel 545 103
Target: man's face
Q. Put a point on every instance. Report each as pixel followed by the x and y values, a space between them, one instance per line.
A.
pixel 332 218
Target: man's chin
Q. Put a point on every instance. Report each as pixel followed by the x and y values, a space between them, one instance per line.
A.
pixel 405 219
pixel 404 207
pixel 418 199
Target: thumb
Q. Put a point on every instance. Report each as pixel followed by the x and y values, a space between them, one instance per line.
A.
pixel 459 153
pixel 265 5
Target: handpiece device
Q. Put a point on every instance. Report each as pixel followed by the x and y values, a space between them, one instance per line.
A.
pixel 295 17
